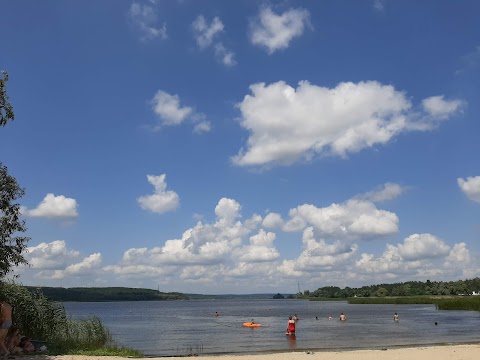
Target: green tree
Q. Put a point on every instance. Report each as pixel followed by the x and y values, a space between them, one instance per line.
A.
pixel 381 292
pixel 6 109
pixel 11 245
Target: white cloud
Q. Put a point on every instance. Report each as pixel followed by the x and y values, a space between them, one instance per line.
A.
pixel 167 107
pixel 145 19
pixel 388 191
pixel 228 210
pixel 51 255
pixel 470 187
pixel 419 257
pixel 389 263
pixel 288 124
pixel 87 264
pixel 459 256
pixel 162 200
pixel 318 255
pixel 205 35
pixel 440 108
pixel 273 220
pixel 422 246
pixel 202 127
pixel 53 207
pixel 261 249
pixel 275 32
pixel 237 252
pixel 354 219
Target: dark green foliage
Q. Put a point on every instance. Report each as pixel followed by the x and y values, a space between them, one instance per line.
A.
pixel 278 296
pixel 11 245
pixel 6 109
pixel 409 288
pixel 393 300
pixel 85 294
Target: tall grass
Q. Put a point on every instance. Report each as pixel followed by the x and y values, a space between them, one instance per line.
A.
pixel 392 300
pixel 41 319
pixel 460 303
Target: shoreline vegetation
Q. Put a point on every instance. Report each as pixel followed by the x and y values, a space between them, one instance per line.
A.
pixel 39 311
pixel 46 321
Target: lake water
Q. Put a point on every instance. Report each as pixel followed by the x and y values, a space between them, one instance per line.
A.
pixel 167 328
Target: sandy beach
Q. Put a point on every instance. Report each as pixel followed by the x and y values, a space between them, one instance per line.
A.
pixel 447 352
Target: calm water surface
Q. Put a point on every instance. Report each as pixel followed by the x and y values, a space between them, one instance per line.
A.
pixel 185 327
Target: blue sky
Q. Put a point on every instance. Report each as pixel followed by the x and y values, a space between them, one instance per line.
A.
pixel 243 146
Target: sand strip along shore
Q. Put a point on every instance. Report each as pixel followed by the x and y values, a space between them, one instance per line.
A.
pixel 447 352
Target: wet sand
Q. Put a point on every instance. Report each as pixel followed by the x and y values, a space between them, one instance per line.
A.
pixel 447 352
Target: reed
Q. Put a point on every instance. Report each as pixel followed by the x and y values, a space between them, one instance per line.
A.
pixel 442 303
pixel 459 303
pixel 41 319
pixel 392 300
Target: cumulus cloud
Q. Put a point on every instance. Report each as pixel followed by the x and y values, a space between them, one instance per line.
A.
pixel 421 246
pixel 87 264
pixel 318 255
pixel 389 263
pixel 261 249
pixel 273 220
pixel 355 219
pixel 288 124
pixel 275 31
pixel 162 200
pixel 171 113
pixel 54 207
pixel 421 256
pixel 459 255
pixel 51 255
pixel 235 251
pixel 470 187
pixel 145 18
pixel 205 35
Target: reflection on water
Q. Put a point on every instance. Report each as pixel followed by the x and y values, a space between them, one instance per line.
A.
pixel 191 327
pixel 292 341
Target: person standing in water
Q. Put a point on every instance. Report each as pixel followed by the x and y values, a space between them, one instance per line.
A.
pixel 290 326
pixel 343 317
pixel 395 317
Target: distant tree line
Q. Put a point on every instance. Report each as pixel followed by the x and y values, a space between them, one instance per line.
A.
pixel 105 294
pixel 409 288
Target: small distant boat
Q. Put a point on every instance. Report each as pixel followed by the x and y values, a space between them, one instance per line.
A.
pixel 250 324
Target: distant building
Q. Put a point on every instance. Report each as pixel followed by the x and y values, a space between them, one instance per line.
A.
pixel 278 296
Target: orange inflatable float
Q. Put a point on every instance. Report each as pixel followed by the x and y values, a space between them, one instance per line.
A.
pixel 250 324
